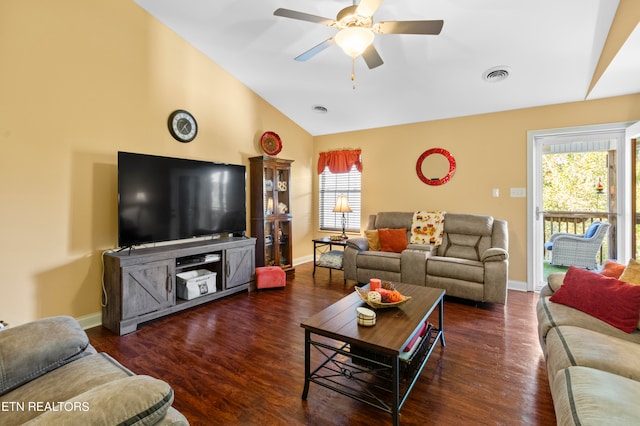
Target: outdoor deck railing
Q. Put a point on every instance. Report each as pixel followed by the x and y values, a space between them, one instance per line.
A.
pixel 577 223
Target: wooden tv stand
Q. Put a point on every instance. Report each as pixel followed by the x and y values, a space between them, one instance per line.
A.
pixel 140 284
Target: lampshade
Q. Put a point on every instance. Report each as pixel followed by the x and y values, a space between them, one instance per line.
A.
pixel 342 205
pixel 354 40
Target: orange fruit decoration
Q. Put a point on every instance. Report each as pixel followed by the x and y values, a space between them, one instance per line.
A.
pixel 395 296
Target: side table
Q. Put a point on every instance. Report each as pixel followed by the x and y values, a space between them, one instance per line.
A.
pixel 324 256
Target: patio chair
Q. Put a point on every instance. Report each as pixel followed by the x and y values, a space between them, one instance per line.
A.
pixel 577 250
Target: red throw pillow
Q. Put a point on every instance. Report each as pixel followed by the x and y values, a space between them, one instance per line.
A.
pixel 612 269
pixel 393 240
pixel 608 299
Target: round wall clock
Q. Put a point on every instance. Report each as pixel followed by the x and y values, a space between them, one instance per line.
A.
pixel 270 143
pixel 182 126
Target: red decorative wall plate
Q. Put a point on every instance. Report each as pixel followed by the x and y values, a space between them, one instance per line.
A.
pixel 270 143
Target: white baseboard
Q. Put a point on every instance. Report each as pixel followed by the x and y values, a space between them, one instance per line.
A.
pixel 91 320
pixel 302 260
pixel 517 285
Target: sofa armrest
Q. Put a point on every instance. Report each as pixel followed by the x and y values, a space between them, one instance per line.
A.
pixel 130 400
pixel 33 349
pixel 360 244
pixel 555 280
pixel 494 254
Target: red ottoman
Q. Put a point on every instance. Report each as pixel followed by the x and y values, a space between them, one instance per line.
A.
pixel 270 276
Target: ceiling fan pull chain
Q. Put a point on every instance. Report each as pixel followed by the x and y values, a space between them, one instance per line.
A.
pixel 353 72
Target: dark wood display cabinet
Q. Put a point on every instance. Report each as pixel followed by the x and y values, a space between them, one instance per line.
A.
pixel 141 285
pixel 271 217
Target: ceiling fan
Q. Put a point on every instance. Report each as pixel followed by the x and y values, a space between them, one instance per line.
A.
pixel 356 30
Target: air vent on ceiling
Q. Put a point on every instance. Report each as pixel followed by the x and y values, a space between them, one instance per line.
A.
pixel 495 74
pixel 320 109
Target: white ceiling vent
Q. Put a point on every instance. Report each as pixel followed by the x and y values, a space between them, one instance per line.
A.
pixel 495 74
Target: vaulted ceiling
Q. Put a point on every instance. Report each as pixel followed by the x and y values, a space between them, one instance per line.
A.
pixel 551 49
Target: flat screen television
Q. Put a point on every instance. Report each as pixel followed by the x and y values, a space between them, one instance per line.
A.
pixel 165 199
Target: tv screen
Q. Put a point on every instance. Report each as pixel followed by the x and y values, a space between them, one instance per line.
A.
pixel 164 199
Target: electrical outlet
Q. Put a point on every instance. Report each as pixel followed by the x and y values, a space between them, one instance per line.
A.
pixel 518 192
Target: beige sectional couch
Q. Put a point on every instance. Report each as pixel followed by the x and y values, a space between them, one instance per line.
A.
pixel 593 367
pixel 470 263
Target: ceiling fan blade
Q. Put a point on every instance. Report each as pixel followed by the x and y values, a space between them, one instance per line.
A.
pixel 314 50
pixel 368 7
pixel 409 27
pixel 301 16
pixel 371 57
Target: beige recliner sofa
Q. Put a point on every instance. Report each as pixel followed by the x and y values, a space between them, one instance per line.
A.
pixel 471 263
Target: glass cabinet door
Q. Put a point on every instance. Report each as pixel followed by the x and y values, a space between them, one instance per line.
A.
pixel 270 242
pixel 283 192
pixel 284 243
pixel 270 203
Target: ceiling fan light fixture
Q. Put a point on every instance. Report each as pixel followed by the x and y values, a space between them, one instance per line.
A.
pixel 354 40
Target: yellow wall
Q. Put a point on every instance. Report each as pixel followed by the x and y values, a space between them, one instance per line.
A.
pixel 80 80
pixel 490 151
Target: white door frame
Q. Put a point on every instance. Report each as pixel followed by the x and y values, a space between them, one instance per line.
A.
pixel 534 194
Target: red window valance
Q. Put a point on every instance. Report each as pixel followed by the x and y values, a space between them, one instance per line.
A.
pixel 340 161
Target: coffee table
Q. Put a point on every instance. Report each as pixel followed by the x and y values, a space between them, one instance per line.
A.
pixel 368 363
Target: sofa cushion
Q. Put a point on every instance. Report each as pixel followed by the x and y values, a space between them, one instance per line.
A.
pixel 373 238
pixel 379 260
pixel 466 236
pixel 134 400
pixel 393 240
pixel 454 268
pixel 66 342
pixel 105 392
pixel 393 220
pixel 586 396
pixel 613 301
pixel 469 224
pixel 569 346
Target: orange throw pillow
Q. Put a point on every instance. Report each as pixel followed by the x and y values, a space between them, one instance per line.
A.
pixel 612 269
pixel 393 240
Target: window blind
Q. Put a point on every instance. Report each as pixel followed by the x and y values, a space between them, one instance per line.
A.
pixel 331 186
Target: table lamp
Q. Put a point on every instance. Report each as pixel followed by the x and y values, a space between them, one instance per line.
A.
pixel 342 206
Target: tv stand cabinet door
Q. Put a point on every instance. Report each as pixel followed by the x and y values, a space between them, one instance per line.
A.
pixel 147 287
pixel 240 265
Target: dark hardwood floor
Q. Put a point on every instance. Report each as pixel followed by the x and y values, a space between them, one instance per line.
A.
pixel 240 361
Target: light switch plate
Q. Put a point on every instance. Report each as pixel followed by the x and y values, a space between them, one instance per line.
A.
pixel 518 192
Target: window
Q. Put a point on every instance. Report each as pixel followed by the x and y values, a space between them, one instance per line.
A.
pixel 331 186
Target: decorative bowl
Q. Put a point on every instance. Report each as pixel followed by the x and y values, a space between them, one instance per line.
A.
pixel 380 305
